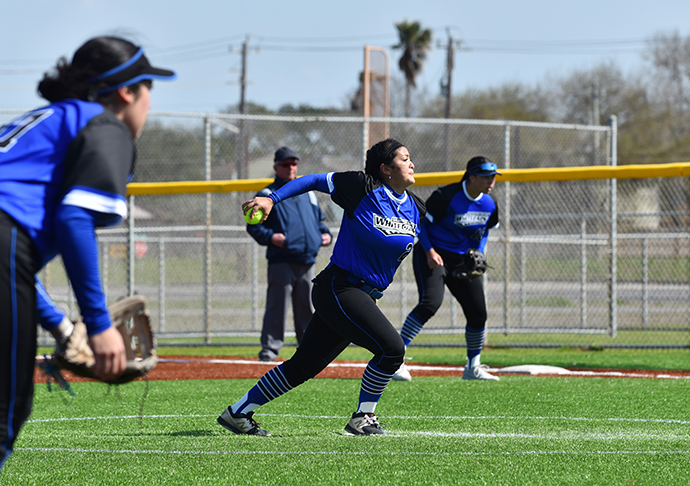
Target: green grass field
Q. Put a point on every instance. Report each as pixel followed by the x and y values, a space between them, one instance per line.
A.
pixel 521 430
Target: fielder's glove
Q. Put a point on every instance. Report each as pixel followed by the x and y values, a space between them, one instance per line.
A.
pixel 473 266
pixel 75 355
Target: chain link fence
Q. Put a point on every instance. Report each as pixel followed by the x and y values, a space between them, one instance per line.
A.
pixel 563 272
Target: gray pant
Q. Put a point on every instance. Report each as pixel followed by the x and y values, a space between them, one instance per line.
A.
pixel 286 282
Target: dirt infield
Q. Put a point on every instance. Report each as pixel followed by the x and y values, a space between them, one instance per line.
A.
pixel 226 368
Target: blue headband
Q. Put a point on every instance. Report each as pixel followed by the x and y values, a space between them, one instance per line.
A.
pixel 135 69
pixel 119 68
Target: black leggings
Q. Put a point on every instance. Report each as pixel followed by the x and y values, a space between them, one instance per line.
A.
pixel 343 314
pixel 430 286
pixel 18 318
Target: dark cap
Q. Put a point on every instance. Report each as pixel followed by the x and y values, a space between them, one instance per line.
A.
pixel 481 166
pixel 137 68
pixel 284 153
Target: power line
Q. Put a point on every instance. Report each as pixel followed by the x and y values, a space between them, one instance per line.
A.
pixel 546 50
pixel 351 38
pixel 564 42
pixel 195 45
pixel 216 48
pixel 264 47
pixel 555 47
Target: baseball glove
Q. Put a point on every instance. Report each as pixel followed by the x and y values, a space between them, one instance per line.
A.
pixel 473 266
pixel 76 356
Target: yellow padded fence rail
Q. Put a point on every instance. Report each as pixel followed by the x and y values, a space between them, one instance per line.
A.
pixel 677 169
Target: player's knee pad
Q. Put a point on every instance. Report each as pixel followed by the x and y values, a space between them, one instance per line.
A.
pixel 477 324
pixel 298 371
pixel 390 363
pixel 426 309
pixel 391 357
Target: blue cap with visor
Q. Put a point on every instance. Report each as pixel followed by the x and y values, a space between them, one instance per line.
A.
pixel 481 166
pixel 137 68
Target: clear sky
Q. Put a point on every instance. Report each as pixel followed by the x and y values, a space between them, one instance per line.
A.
pixel 311 51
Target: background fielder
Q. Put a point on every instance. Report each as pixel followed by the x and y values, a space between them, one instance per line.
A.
pixel 458 220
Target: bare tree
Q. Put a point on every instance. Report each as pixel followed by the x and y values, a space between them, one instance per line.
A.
pixel 669 55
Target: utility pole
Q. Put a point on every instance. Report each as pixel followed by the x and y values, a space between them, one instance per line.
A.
pixel 595 117
pixel 447 92
pixel 449 75
pixel 243 159
pixel 242 167
pixel 243 76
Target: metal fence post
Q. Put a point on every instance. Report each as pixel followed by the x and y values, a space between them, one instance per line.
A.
pixel 613 236
pixel 105 269
pixel 130 247
pixel 365 141
pixel 161 284
pixel 583 272
pixel 523 284
pixel 453 312
pixel 645 282
pixel 255 285
pixel 207 252
pixel 506 244
pixel 403 278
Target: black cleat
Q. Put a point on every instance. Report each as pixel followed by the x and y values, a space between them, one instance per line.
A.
pixel 364 424
pixel 241 423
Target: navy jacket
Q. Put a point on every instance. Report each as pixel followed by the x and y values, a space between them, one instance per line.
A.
pixel 299 219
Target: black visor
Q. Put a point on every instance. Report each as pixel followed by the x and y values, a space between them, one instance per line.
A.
pixel 137 68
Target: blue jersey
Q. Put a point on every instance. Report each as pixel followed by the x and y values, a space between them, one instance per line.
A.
pixel 74 152
pixel 378 227
pixel 64 170
pixel 455 222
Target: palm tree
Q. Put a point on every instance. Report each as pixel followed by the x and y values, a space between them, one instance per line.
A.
pixel 414 42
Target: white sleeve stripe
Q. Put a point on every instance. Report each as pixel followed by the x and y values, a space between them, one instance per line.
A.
pixel 96 202
pixel 331 186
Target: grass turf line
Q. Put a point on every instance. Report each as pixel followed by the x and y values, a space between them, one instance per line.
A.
pixel 442 431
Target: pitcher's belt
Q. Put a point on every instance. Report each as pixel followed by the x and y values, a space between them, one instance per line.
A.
pixel 372 292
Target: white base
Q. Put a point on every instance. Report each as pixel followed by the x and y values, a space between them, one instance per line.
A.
pixel 533 370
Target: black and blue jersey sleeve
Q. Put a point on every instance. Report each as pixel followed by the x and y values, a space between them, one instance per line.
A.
pixel 350 189
pixel 98 165
pixel 437 204
pixel 419 202
pixel 493 219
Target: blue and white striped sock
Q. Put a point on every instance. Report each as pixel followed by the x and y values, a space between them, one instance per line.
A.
pixel 374 382
pixel 272 385
pixel 475 342
pixel 411 328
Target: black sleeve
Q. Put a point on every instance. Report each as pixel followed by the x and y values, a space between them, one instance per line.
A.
pixel 493 219
pixel 437 203
pixel 350 188
pixel 421 206
pixel 101 157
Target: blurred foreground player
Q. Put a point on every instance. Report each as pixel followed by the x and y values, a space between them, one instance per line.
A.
pixel 64 169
